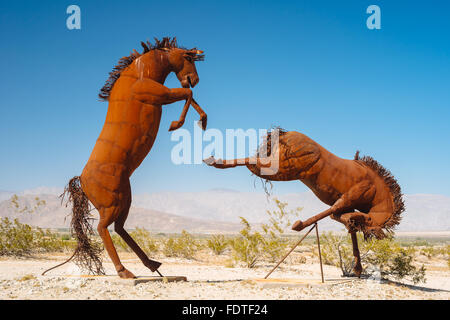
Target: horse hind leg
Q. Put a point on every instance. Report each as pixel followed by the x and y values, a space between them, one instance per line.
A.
pixel 358 267
pixel 120 230
pixel 107 216
pixel 351 221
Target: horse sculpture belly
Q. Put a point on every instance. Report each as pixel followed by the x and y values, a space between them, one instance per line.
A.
pixel 119 150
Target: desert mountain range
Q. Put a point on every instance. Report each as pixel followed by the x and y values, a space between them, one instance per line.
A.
pixel 213 211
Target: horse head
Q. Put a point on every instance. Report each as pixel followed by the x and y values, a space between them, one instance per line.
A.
pixel 183 64
pixel 182 61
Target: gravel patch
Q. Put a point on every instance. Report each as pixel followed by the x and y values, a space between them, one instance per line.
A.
pixel 21 279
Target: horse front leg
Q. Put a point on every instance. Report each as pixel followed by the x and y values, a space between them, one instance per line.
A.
pixel 358 267
pixel 203 116
pixel 225 164
pixel 152 92
pixel 345 203
pixel 178 94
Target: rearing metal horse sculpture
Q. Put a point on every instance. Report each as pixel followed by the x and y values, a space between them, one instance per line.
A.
pixel 362 194
pixel 135 92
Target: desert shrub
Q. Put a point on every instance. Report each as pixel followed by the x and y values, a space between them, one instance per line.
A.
pixel 65 237
pixel 47 241
pixel 446 251
pixel 429 252
pixel 147 243
pixel 19 239
pixel 334 253
pixel 217 243
pixel 119 243
pixel 438 251
pixel 400 266
pixel 250 247
pixel 142 237
pixel 184 246
pixel 385 256
pixel 15 238
pixel 247 247
pixel 274 245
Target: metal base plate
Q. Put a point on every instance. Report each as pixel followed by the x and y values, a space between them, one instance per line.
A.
pixel 292 283
pixel 134 281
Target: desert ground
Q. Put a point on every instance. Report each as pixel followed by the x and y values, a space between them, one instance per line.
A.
pixel 209 277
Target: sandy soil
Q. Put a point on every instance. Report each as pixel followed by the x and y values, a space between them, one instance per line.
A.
pixel 21 279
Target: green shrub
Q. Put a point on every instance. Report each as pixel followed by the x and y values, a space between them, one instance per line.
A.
pixel 429 252
pixel 250 247
pixel 147 243
pixel 217 243
pixel 19 239
pixel 184 246
pixel 274 245
pixel 337 251
pixel 247 247
pixel 142 237
pixel 385 255
pixel 15 238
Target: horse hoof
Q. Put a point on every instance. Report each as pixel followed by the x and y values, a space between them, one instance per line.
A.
pixel 153 265
pixel 125 274
pixel 357 270
pixel 175 125
pixel 202 123
pixel 209 161
pixel 297 226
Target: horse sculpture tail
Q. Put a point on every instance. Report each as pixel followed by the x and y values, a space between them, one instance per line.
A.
pixel 87 254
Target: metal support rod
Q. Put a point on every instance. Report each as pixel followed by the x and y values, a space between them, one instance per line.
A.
pixel 292 249
pixel 320 255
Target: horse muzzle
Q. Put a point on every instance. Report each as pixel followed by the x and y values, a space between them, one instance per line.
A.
pixel 189 81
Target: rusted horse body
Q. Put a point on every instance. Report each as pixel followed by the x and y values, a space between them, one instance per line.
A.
pixel 135 92
pixel 362 194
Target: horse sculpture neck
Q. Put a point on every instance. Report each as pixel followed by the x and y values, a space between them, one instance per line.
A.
pixel 152 65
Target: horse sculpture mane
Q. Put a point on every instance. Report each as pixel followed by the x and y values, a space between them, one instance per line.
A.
pixel 393 186
pixel 124 62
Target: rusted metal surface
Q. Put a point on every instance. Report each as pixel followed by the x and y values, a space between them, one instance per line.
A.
pixel 320 253
pixel 287 254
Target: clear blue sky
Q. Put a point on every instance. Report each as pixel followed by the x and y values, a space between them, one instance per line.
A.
pixel 309 66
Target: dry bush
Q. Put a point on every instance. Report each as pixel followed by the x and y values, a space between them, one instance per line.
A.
pixel 184 246
pixel 142 237
pixel 247 247
pixel 218 244
pixel 384 256
pixel 250 247
pixel 274 245
pixel 18 239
